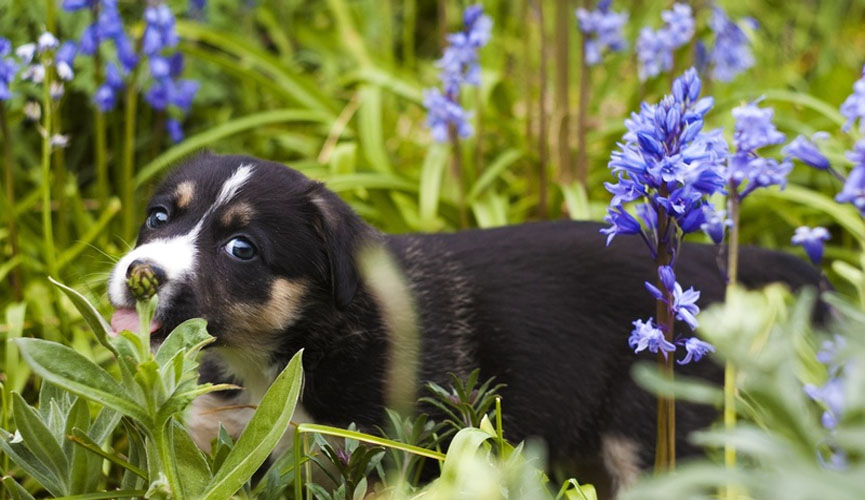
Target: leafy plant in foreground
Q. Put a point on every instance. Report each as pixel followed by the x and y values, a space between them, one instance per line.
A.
pixel 154 390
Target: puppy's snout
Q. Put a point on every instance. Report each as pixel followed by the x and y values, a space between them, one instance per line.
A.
pixel 143 278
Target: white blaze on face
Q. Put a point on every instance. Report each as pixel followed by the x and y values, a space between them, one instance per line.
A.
pixel 177 255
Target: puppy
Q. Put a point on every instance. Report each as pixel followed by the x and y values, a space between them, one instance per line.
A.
pixel 269 258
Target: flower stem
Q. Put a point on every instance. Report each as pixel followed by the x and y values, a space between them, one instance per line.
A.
pixel 562 61
pixel 128 165
pixel 733 203
pixel 164 445
pixel 457 172
pixel 665 447
pixel 582 112
pixel 9 180
pixel 47 125
pixel 542 116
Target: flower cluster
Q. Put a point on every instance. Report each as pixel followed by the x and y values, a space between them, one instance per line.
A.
pixel 854 186
pixel 853 107
pixel 655 48
pixel 603 31
pixel 746 170
pixel 731 54
pixel 458 66
pixel 669 162
pixel 108 26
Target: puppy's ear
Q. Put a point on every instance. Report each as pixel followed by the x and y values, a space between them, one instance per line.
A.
pixel 343 233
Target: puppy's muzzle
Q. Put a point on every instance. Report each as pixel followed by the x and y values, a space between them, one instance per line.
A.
pixel 143 278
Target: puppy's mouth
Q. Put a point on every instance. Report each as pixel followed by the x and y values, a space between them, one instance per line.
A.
pixel 127 319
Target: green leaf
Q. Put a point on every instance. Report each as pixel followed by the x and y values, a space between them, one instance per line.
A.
pixel 493 171
pixel 649 376
pixel 370 129
pixel 187 334
pixel 94 320
pixel 465 442
pixel 39 439
pixel 24 458
pixel 81 477
pixel 16 491
pixel 191 465
pixel 106 495
pixel 261 435
pixel 80 439
pixel 430 183
pixel 66 368
pixel 16 373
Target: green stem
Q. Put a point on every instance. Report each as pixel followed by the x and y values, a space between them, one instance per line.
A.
pixel 47 126
pixel 9 180
pixel 409 21
pixel 563 22
pixel 665 447
pixel 128 160
pixel 542 116
pixel 99 132
pixel 582 112
pixel 162 439
pixel 729 368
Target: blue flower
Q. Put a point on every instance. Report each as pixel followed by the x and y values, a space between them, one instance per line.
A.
pixel 731 54
pixel 8 68
pixel 695 349
pixel 646 336
pixel 685 305
pixel 680 25
pixel 807 152
pixel 715 225
pixel 603 31
pixel 442 113
pixel 831 396
pixel 854 189
pixel 853 107
pixel 73 5
pixel 621 222
pixel 175 130
pixel 653 53
pixel 811 240
pixel 159 32
pixel 105 98
pixel 754 128
pixel 65 59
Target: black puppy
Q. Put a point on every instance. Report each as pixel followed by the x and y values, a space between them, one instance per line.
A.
pixel 268 258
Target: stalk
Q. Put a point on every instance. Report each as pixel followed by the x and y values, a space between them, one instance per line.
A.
pixel 542 118
pixel 9 179
pixel 128 161
pixel 563 23
pixel 409 21
pixel 665 447
pixel 47 125
pixel 582 111
pixel 457 172
pixel 60 188
pixel 162 440
pixel 730 369
pixel 99 132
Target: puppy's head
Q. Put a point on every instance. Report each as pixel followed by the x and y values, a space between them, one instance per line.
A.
pixel 246 244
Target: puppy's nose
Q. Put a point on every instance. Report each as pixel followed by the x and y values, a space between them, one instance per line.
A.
pixel 143 278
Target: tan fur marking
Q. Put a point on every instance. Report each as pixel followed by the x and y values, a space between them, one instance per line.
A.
pixel 240 212
pixel 621 459
pixel 254 321
pixel 184 193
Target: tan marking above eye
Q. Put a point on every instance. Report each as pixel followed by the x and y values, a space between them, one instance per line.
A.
pixel 184 193
pixel 240 212
pixel 250 323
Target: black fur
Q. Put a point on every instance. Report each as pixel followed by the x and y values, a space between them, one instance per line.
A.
pixel 546 307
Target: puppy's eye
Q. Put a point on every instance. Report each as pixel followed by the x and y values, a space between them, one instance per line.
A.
pixel 157 217
pixel 240 248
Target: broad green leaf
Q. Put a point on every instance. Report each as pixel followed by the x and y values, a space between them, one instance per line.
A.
pixel 81 468
pixel 369 129
pixel 493 171
pixel 16 373
pixel 649 376
pixel 430 183
pixel 62 366
pixel 465 442
pixel 16 491
pixel 187 334
pixel 82 440
pixel 262 434
pixel 94 320
pixel 845 215
pixel 39 439
pixel 191 465
pixel 106 495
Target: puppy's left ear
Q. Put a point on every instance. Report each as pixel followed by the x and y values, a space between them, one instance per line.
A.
pixel 344 233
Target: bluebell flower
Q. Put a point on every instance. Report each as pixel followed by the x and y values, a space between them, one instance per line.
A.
pixel 831 396
pixel 696 349
pixel 667 278
pixel 680 25
pixel 624 191
pixel 853 107
pixel 64 60
pixel 442 113
pixel 731 54
pixel 47 41
pixel 73 5
pixel 159 32
pixel 685 305
pixel 654 54
pixel 175 130
pixel 458 66
pixel 602 29
pixel 807 151
pixel 754 128
pixel 621 222
pixel 646 336
pixel 8 69
pixel 125 52
pixel 812 240
pixel 716 223
pixel 26 52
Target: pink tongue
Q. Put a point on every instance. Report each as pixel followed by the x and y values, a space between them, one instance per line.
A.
pixel 127 319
